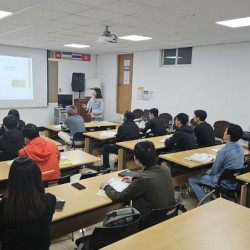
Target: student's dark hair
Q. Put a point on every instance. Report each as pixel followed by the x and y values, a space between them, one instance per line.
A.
pixel 129 115
pixel 98 92
pixel 235 131
pixel 15 113
pixel 202 114
pixel 30 131
pixel 10 122
pixel 25 189
pixel 183 118
pixel 145 153
pixel 154 112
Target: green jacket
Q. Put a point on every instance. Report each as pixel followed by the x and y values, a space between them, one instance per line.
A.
pixel 149 189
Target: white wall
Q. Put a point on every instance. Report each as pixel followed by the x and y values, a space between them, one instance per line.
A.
pixel 217 81
pixel 107 72
pixel 45 116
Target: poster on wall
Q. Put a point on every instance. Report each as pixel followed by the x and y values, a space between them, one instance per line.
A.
pixel 140 93
pixel 143 94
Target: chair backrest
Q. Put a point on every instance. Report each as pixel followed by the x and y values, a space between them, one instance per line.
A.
pixel 88 175
pixel 58 181
pixel 246 136
pixel 161 214
pixel 138 113
pixel 219 128
pixel 78 140
pixel 229 175
pixel 103 236
pixel 106 128
pixel 167 118
pixel 146 114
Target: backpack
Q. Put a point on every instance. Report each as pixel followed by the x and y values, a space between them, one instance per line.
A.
pixel 121 216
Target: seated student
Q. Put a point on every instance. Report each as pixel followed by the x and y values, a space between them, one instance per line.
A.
pixel 183 138
pixel 75 124
pixel 44 153
pixel 230 156
pixel 156 124
pixel 26 214
pixel 203 131
pixel 20 123
pixel 151 188
pixel 126 132
pixel 12 140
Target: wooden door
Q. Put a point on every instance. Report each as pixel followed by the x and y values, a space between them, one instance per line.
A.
pixel 124 83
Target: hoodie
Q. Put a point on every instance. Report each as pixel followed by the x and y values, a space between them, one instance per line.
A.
pixel 45 154
pixel 10 143
pixel 182 139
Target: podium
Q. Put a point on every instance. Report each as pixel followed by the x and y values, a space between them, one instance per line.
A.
pixel 80 110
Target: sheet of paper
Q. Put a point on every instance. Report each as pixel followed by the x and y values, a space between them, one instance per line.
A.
pixel 108 133
pixel 216 149
pixel 58 126
pixel 126 75
pixel 119 186
pixel 126 63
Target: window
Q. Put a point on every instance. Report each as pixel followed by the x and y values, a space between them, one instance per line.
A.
pixel 177 56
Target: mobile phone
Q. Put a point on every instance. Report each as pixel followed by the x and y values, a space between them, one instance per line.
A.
pixel 59 204
pixel 78 186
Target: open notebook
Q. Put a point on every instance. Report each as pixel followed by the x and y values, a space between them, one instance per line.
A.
pixel 119 186
pixel 203 157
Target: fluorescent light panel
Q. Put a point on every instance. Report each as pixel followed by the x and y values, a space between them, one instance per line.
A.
pixel 4 14
pixel 236 23
pixel 135 38
pixel 79 46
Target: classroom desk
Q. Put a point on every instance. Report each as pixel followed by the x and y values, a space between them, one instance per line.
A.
pixel 51 140
pixel 90 136
pixel 82 207
pixel 78 157
pixel 124 146
pixel 245 189
pixel 217 225
pixel 88 125
pixel 179 157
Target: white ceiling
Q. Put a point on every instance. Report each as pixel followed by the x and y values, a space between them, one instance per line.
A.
pixel 49 24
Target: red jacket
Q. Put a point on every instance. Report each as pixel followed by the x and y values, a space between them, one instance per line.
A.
pixel 45 154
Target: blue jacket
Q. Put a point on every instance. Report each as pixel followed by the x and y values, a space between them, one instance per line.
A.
pixel 95 106
pixel 229 157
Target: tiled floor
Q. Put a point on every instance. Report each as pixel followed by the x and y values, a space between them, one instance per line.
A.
pixel 65 243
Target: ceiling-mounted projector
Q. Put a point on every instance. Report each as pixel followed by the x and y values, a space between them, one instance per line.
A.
pixel 107 37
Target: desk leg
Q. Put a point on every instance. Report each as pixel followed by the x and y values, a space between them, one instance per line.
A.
pixel 87 145
pixel 47 133
pixel 243 195
pixel 122 159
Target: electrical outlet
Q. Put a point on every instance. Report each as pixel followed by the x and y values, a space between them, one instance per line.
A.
pixel 60 90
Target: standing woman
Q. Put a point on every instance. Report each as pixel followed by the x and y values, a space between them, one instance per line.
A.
pixel 95 106
pixel 26 214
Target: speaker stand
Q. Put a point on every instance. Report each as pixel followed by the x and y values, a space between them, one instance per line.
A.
pixel 79 94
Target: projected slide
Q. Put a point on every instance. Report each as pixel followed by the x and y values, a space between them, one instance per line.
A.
pixel 16 81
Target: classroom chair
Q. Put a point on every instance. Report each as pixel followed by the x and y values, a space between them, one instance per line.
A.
pixel 219 191
pixel 103 236
pixel 78 140
pixel 219 128
pixel 167 118
pixel 58 181
pixel 161 214
pixel 138 113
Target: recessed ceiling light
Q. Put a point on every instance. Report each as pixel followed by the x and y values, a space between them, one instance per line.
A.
pixel 79 46
pixel 236 23
pixel 135 38
pixel 4 14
